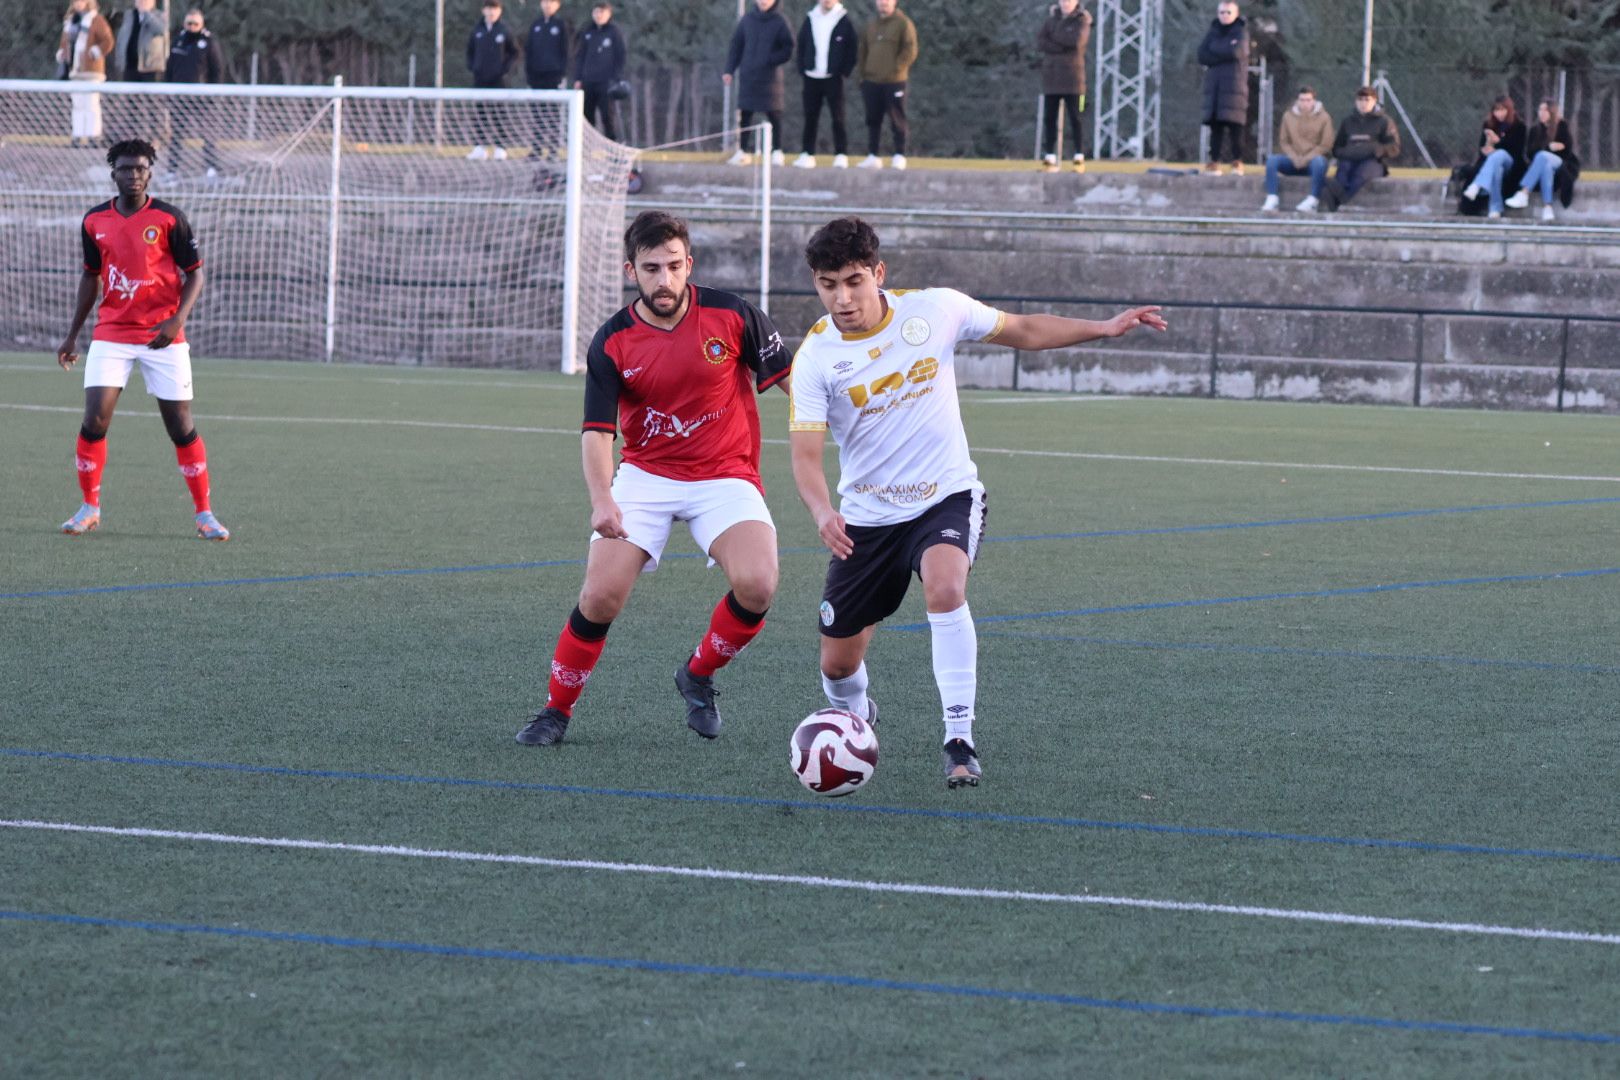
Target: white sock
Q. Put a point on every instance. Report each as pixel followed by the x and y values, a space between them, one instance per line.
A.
pixel 848 693
pixel 956 659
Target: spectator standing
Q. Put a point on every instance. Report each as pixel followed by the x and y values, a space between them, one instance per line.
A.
pixel 87 41
pixel 551 42
pixel 1062 43
pixel 827 48
pixel 1367 141
pixel 1224 52
pixel 1306 138
pixel 760 45
pixel 1551 149
pixel 598 66
pixel 1501 155
pixel 143 43
pixel 195 58
pixel 491 52
pixel 888 48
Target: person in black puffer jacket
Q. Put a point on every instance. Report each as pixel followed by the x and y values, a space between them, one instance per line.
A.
pixel 1501 156
pixel 760 46
pixel 1224 53
pixel 1553 164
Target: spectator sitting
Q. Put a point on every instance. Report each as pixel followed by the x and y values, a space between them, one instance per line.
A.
pixel 1062 43
pixel 760 45
pixel 1224 52
pixel 1367 141
pixel 1551 150
pixel 1501 156
pixel 1306 138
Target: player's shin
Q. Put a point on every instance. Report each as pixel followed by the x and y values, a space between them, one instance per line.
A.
pixel 90 458
pixel 579 647
pixel 956 659
pixel 731 628
pixel 192 457
pixel 848 693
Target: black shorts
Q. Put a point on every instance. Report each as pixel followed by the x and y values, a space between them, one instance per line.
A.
pixel 867 587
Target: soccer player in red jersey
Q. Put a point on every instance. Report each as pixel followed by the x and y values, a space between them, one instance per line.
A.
pixel 675 373
pixel 137 250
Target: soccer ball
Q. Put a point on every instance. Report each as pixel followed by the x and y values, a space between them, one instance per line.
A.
pixel 833 752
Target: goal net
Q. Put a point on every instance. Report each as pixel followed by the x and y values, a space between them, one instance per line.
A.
pixel 366 224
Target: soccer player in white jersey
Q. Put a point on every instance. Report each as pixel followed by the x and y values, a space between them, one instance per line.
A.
pixel 879 373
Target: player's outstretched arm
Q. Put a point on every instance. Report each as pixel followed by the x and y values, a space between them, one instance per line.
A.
pixel 596 450
pixel 810 477
pixel 166 331
pixel 89 288
pixel 1037 332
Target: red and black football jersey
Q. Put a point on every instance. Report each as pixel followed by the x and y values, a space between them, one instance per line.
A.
pixel 681 397
pixel 139 259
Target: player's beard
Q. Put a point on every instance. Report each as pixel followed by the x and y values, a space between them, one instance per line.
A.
pixel 665 296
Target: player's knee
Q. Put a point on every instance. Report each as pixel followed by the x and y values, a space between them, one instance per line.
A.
pixel 756 590
pixel 835 667
pixel 601 605
pixel 944 596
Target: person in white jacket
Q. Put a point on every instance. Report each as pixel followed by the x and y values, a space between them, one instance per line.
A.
pixel 827 50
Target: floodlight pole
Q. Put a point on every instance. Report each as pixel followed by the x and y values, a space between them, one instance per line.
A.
pixel 1366 46
pixel 438 72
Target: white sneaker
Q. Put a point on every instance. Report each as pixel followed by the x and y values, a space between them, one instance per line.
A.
pixel 870 161
pixel 1494 214
pixel 212 173
pixel 1079 163
pixel 1050 161
pixel 840 161
pixel 1307 205
pixel 499 154
pixel 898 161
pixel 477 153
pixel 740 158
pixel 1547 213
pixel 1471 192
pixel 1270 204
pixel 1518 200
pixel 804 161
pixel 778 158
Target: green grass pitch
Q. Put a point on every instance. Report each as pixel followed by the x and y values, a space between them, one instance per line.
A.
pixel 1303 663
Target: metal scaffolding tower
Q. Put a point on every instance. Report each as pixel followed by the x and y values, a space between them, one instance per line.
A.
pixel 1130 69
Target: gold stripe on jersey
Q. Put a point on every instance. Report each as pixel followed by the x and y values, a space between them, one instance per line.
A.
pixel 794 425
pixel 883 324
pixel 806 427
pixel 1001 324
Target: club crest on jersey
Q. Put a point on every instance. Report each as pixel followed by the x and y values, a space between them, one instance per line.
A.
pixel 826 613
pixel 150 234
pixel 915 330
pixel 716 351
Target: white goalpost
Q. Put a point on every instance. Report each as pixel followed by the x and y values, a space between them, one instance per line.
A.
pixel 366 224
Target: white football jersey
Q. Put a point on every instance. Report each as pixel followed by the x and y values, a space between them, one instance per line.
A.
pixel 888 397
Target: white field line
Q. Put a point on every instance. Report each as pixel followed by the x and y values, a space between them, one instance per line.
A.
pixel 365 380
pixel 954 891
pixel 1067 454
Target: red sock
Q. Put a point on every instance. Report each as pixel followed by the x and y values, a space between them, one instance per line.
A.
pixel 574 660
pixel 193 459
pixel 90 458
pixel 731 628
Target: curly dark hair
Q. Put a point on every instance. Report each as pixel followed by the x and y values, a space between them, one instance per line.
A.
pixel 131 148
pixel 840 243
pixel 653 229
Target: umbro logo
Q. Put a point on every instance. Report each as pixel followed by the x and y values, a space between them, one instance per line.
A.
pixel 958 710
pixel 843 365
pixel 950 534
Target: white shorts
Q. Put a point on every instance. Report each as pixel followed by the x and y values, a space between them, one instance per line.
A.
pixel 166 371
pixel 652 504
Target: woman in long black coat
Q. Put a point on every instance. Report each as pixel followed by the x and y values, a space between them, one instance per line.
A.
pixel 1224 53
pixel 760 45
pixel 1062 42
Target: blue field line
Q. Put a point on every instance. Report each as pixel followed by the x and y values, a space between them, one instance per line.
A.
pixel 1388 515
pixel 1305 594
pixel 814 978
pixel 1329 654
pixel 826 805
pixel 348 575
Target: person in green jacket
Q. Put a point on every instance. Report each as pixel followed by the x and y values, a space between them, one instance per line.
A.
pixel 888 48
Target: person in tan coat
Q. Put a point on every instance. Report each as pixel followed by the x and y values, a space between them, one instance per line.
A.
pixel 87 40
pixel 883 59
pixel 1306 139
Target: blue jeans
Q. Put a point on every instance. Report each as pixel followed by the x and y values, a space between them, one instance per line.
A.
pixel 1490 176
pixel 1279 165
pixel 1541 173
pixel 1352 176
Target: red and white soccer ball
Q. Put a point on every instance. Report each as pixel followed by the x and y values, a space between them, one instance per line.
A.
pixel 833 752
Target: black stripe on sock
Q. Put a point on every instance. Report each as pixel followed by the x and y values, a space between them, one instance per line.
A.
pixel 584 629
pixel 744 616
